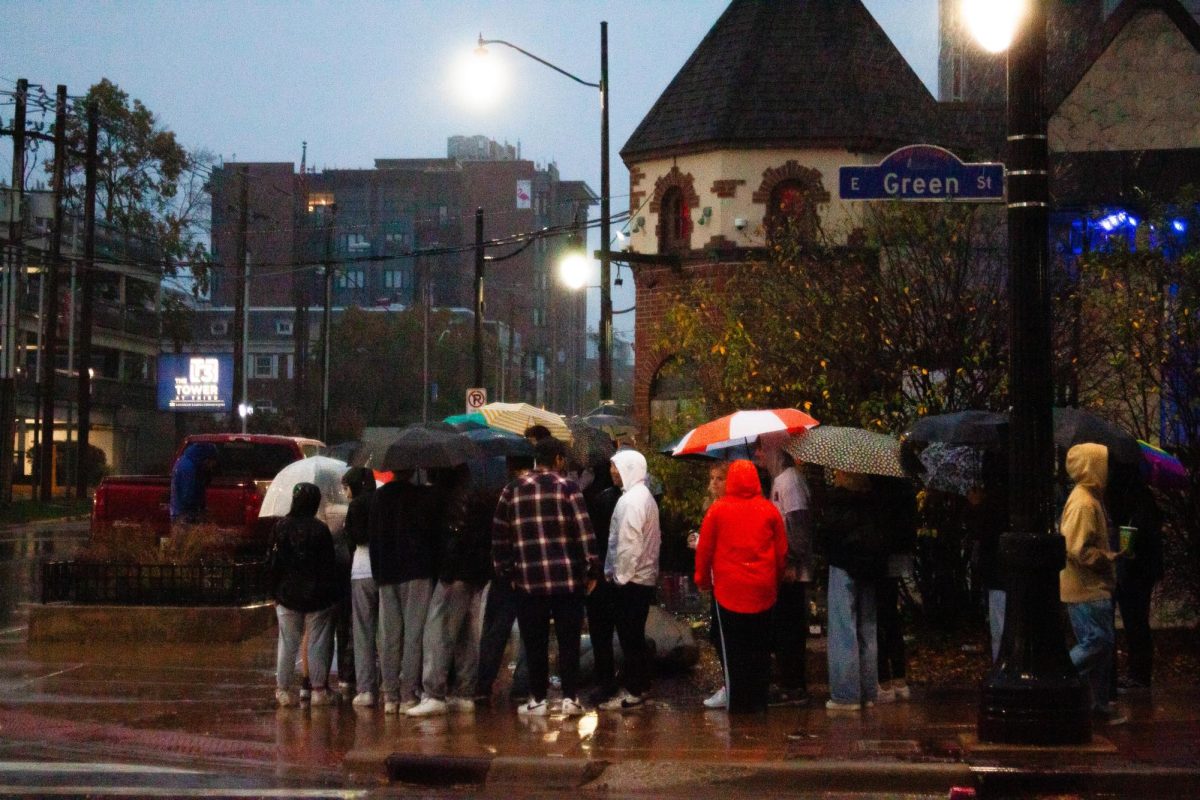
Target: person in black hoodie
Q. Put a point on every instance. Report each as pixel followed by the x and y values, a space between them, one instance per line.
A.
pixel 601 496
pixel 404 542
pixel 302 575
pixel 364 596
pixel 452 628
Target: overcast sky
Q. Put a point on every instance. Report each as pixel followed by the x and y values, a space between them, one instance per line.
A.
pixel 365 80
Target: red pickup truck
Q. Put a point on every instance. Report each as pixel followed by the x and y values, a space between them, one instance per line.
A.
pixel 246 463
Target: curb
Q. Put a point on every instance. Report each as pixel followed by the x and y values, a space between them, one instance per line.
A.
pixel 443 770
pixel 1124 782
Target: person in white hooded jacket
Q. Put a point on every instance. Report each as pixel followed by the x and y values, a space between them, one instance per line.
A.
pixel 632 567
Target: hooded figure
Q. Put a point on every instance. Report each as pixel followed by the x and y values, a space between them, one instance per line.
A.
pixel 1086 583
pixel 634 537
pixel 303 578
pixel 189 480
pixel 741 556
pixel 1089 574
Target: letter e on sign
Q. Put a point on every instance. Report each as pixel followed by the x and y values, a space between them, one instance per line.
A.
pixel 476 399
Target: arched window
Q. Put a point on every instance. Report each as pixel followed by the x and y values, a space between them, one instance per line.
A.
pixel 791 210
pixel 675 222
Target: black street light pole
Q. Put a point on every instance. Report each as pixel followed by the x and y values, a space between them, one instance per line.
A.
pixel 480 261
pixel 1033 695
pixel 605 230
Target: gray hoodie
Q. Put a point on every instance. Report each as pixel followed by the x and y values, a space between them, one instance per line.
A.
pixel 634 537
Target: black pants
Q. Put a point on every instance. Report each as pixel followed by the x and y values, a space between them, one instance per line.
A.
pixel 498 619
pixel 747 644
pixel 602 621
pixel 633 606
pixel 534 613
pixel 889 633
pixel 789 620
pixel 1133 599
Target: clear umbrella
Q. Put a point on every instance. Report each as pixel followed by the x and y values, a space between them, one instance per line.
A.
pixel 323 471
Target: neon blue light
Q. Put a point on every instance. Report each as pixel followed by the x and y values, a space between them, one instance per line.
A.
pixel 1179 225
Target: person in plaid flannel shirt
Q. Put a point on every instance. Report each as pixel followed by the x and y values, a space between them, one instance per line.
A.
pixel 544 546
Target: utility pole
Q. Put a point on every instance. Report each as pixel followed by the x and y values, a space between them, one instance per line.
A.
pixel 85 306
pixel 50 316
pixel 300 287
pixel 479 267
pixel 239 300
pixel 606 315
pixel 8 297
pixel 327 323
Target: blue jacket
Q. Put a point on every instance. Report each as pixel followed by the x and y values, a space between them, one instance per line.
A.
pixel 188 480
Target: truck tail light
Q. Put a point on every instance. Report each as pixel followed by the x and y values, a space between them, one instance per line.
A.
pixel 98 504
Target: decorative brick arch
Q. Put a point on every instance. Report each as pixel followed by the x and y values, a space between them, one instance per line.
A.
pixel 805 188
pixel 808 178
pixel 686 184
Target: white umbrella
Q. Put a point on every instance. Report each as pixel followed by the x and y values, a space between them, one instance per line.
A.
pixel 323 471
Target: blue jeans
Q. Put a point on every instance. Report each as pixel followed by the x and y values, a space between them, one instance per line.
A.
pixel 1093 651
pixel 852 649
pixel 997 599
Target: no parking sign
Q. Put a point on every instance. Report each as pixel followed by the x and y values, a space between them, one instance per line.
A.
pixel 476 399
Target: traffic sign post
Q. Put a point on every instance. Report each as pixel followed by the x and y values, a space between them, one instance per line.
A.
pixel 476 399
pixel 923 172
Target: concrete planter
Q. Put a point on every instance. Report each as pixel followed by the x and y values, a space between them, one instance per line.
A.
pixel 81 624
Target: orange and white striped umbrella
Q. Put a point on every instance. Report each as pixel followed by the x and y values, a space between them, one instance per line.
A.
pixel 742 427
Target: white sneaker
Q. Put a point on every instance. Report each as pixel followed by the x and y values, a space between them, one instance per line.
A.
pixel 364 700
pixel 321 697
pixel 624 702
pixel 902 691
pixel 461 705
pixel 429 707
pixel 533 708
pixel 571 707
pixel 284 698
pixel 391 706
pixel 834 705
pixel 885 696
pixel 720 699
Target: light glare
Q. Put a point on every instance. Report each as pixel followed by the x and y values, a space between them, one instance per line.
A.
pixel 573 271
pixel 993 23
pixel 480 80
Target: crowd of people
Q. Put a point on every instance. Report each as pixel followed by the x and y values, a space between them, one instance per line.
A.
pixel 421 587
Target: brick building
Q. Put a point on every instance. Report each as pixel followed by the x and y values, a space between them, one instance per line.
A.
pixel 389 230
pixel 777 96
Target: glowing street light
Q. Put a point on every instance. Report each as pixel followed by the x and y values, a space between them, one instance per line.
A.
pixel 574 270
pixel 993 23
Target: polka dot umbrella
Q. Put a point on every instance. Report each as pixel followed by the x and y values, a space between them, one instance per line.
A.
pixel 848 449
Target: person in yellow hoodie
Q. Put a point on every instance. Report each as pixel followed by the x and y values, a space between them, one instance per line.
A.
pixel 1086 583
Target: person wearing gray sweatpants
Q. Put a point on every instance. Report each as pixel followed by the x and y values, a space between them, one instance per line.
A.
pixel 364 597
pixel 404 532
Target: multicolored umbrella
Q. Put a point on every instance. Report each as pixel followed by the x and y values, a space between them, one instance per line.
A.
pixel 742 427
pixel 1161 469
pixel 516 417
pixel 848 449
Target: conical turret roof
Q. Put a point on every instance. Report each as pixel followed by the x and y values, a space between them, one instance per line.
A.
pixel 789 73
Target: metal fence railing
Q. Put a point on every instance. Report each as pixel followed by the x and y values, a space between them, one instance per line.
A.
pixel 153 584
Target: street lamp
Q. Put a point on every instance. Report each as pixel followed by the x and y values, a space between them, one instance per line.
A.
pixel 605 249
pixel 1033 694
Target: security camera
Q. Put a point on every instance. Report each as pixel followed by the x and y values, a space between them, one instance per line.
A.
pixel 740 223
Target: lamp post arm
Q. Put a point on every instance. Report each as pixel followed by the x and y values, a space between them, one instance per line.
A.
pixel 523 51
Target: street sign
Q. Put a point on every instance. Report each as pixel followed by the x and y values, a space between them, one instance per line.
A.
pixel 923 172
pixel 476 399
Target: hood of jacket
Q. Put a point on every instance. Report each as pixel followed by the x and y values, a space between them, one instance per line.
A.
pixel 742 480
pixel 1087 465
pixel 631 466
pixel 199 452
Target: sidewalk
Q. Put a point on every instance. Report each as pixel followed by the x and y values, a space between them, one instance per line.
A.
pixel 213 704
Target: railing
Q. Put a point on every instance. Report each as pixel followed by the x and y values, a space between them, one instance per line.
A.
pixel 154 584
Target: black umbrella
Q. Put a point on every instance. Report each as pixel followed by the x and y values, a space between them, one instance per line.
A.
pixel 986 429
pixel 588 445
pixel 1074 426
pixel 493 442
pixel 420 446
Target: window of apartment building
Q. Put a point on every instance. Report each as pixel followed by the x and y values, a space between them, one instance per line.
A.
pixel 396 279
pixel 351 279
pixel 443 215
pixel 397 242
pixel 264 366
pixel 319 200
pixel 539 317
pixel 219 328
pixel 675 222
pixel 355 243
pixel 283 327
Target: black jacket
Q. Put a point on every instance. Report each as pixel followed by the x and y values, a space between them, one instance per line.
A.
pixel 403 530
pixel 302 568
pixel 850 536
pixel 468 537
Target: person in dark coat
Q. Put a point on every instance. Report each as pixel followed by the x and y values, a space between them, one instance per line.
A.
pixel 455 611
pixel 600 497
pixel 302 575
pixel 364 597
pixel 404 542
pixel 898 502
pixel 1137 574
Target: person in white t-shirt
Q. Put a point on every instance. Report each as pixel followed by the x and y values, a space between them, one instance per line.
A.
pixel 791 496
pixel 364 596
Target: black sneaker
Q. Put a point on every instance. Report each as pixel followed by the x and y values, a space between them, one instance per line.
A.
pixel 1131 686
pixel 780 698
pixel 1110 717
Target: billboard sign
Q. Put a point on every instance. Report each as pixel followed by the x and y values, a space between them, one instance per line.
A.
pixel 195 382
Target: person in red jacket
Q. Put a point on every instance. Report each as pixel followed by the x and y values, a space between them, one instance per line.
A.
pixel 741 556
